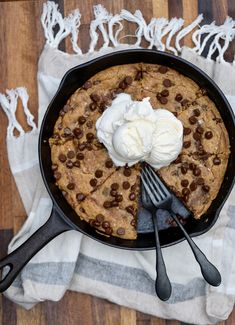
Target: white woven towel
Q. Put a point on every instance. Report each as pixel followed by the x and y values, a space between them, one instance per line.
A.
pixel 73 261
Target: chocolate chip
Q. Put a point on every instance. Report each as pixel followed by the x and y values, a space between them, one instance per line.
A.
pixel 186 144
pixel 80 156
pixel 167 83
pixel 187 131
pixel 69 164
pixel 217 161
pixel 96 223
pixel 54 167
pixel 196 112
pixel 130 209
pixel 95 97
pixel 197 171
pixel 62 113
pixel 66 108
pixel 175 113
pixel 185 198
pixel 98 173
pixel 185 164
pixel 184 102
pixel 93 106
pixel 197 136
pixel 121 231
pixel 128 80
pixel 78 133
pixel 99 218
pixel 57 175
pixel 77 163
pixel 105 224
pixel 88 146
pixel 165 92
pixel 192 120
pixel 133 223
pixel 162 69
pixel 89 124
pixel 192 166
pixel 71 186
pixel 193 186
pixel 82 146
pixel 113 193
pixel 178 160
pixel 93 182
pixel 109 231
pixel 81 120
pixel 122 85
pixel 178 97
pixel 90 136
pixel 71 154
pixel 208 135
pixel 132 196
pixel 206 188
pixel 80 197
pixel 67 131
pixel 62 157
pixel 115 186
pixel 127 172
pixel 109 163
pixel 82 209
pixel 139 75
pixel 60 126
pixel 87 85
pixel 126 185
pixel 163 100
pixel 200 181
pixel 200 129
pixel 92 222
pixel 184 182
pixel 184 170
pixel 119 198
pixel 185 191
pixel 107 204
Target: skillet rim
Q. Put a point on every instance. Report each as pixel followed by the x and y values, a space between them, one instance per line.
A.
pixel 229 111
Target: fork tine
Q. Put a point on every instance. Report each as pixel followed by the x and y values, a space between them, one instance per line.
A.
pixel 155 184
pixel 159 182
pixel 151 185
pixel 148 190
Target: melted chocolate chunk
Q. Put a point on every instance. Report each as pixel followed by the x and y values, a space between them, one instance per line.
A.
pixel 217 161
pixel 167 83
pixel 162 69
pixel 98 173
pixel 80 197
pixel 115 186
pixel 121 231
pixel 178 97
pixel 208 135
pixel 62 157
pixel 187 131
pixel 109 163
pixel 93 182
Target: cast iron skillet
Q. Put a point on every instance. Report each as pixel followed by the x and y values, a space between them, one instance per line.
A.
pixel 63 217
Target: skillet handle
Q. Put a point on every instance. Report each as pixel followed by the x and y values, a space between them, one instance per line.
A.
pixel 16 260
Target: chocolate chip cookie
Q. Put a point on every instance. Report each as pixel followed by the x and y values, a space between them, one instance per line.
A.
pixel 107 196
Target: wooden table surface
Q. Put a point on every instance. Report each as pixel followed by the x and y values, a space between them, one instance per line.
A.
pixel 21 42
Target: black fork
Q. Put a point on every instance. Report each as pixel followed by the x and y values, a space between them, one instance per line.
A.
pixel 162 284
pixel 162 199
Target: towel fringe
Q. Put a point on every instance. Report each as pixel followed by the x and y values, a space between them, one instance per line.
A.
pixel 9 102
pixel 219 37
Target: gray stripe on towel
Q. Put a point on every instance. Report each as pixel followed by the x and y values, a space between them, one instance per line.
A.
pixel 115 274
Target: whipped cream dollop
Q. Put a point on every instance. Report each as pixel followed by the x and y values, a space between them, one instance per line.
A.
pixel 133 131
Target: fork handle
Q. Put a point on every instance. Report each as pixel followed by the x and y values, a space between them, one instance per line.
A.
pixel 162 284
pixel 209 271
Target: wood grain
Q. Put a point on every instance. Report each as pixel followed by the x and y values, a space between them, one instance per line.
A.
pixel 21 42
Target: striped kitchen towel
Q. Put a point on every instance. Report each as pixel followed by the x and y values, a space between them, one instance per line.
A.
pixel 76 262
